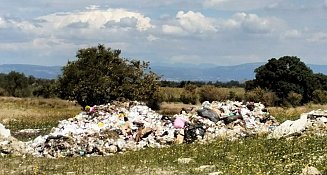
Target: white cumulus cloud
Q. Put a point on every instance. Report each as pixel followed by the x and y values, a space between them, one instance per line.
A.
pixel 169 29
pixel 190 23
pixel 252 23
pixel 237 5
pixel 16 24
pixel 318 37
pixel 292 34
pixel 95 18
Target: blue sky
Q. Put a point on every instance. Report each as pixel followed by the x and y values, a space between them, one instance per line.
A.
pixel 217 32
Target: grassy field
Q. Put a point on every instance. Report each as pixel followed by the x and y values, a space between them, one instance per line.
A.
pixel 252 155
pixel 246 156
pixel 35 113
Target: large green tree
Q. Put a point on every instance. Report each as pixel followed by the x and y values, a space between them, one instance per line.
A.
pixel 285 76
pixel 100 75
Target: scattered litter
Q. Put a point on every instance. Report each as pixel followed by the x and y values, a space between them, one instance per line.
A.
pixel 4 132
pixel 314 120
pixel 118 127
pixel 9 144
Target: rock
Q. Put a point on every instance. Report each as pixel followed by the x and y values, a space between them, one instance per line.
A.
pixel 70 173
pixel 185 160
pixel 205 168
pixel 309 170
pixel 216 173
pixel 112 149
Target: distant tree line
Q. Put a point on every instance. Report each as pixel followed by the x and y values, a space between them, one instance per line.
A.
pixel 18 85
pixel 183 84
pixel 100 75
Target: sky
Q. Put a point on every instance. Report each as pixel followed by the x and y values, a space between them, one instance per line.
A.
pixel 212 32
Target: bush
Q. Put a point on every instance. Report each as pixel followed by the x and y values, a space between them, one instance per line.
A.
pixel 100 75
pixel 294 99
pixel 189 95
pixel 211 93
pixel 3 92
pixel 267 98
pixel 319 96
pixel 169 94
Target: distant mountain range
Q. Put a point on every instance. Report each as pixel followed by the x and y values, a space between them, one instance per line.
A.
pixel 179 72
pixel 47 72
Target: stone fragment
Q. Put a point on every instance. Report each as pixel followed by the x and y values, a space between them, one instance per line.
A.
pixel 185 160
pixel 310 170
pixel 216 173
pixel 205 168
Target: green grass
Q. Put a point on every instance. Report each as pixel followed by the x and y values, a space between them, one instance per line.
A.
pixel 246 156
pixel 252 155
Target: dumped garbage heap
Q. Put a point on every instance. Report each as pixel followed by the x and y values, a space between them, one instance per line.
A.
pixel 119 127
pixel 9 144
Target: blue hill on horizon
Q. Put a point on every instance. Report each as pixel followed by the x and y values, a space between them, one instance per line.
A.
pixel 213 73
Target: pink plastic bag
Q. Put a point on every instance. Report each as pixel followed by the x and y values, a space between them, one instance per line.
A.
pixel 179 122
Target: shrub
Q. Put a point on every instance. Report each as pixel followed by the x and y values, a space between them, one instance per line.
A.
pixel 211 93
pixel 294 99
pixel 169 94
pixel 267 98
pixel 319 96
pixel 189 95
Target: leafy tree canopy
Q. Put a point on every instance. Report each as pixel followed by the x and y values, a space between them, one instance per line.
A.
pixel 100 75
pixel 285 75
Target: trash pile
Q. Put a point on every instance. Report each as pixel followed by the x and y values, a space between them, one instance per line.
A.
pixel 119 127
pixel 314 122
pixel 9 144
pixel 123 126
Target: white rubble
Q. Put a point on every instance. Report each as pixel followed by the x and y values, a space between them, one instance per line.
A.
pixel 9 144
pixel 4 132
pixel 116 127
pixel 119 127
pixel 290 127
pixel 306 121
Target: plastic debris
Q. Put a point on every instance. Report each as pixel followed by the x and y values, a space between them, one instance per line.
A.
pixel 118 127
pixel 315 121
pixel 10 145
pixel 4 132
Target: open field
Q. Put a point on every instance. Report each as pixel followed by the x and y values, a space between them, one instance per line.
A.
pixel 251 155
pixel 35 113
pixel 246 156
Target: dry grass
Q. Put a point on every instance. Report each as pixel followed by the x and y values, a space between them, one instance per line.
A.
pixel 293 113
pixel 251 155
pixel 174 108
pixel 170 94
pixel 25 113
